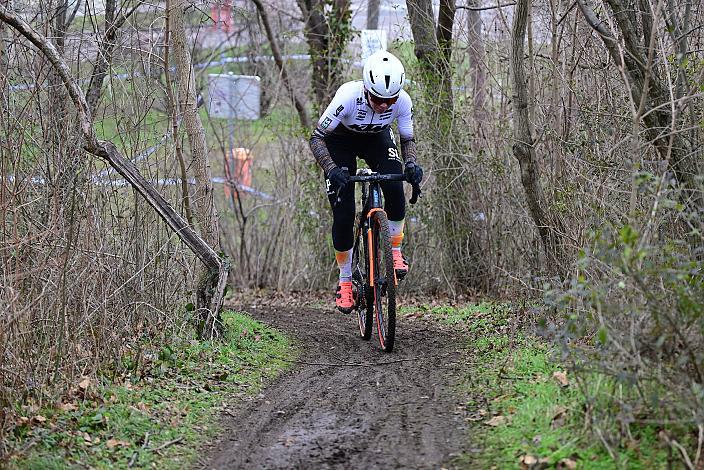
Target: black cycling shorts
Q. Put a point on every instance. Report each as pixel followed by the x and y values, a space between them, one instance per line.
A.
pixel 382 156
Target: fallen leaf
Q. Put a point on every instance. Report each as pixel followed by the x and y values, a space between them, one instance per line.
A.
pixel 84 383
pixel 112 443
pixel 561 377
pixel 496 421
pixel 559 415
pixel 69 407
pixel 528 461
pixel 39 419
pixel 568 464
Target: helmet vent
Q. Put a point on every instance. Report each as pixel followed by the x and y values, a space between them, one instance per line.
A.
pixel 388 80
pixel 371 76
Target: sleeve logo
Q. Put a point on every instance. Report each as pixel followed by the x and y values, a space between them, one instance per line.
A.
pixel 326 122
pixel 339 110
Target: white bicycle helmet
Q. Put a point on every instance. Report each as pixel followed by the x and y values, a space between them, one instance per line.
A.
pixel 383 75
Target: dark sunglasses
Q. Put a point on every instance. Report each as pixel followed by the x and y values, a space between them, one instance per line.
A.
pixel 377 100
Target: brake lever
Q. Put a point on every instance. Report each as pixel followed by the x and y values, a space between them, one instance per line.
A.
pixel 338 199
pixel 416 193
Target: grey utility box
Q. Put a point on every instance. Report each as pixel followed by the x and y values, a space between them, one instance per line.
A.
pixel 234 96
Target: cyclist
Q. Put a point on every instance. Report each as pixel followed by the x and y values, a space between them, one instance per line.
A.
pixel 357 123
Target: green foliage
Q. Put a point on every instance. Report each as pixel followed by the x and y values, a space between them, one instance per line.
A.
pixel 633 317
pixel 174 404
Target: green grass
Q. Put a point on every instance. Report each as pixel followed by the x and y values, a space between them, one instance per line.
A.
pixel 175 405
pixel 511 377
pixel 544 419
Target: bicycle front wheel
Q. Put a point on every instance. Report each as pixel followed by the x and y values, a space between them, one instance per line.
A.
pixel 364 299
pixel 384 281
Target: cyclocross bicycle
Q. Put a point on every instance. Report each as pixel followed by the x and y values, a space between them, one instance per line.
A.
pixel 374 280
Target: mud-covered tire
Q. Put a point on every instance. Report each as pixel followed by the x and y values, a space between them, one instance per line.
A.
pixel 384 289
pixel 364 301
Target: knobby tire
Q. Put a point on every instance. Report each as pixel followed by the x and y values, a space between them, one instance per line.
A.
pixel 384 289
pixel 360 276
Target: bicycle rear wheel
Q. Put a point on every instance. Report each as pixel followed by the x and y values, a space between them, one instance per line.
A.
pixel 365 298
pixel 384 287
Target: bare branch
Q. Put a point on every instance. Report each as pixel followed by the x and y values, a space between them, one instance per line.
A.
pixel 609 40
pixel 300 107
pixel 492 7
pixel 49 50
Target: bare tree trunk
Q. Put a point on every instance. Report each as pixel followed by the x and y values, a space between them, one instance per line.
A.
pixel 433 46
pixel 205 212
pixel 62 142
pixel 548 224
pixel 477 64
pixel 372 14
pixel 327 31
pixel 172 110
pixel 4 67
pixel 298 103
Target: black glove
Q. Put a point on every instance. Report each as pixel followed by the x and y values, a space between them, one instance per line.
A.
pixel 338 178
pixel 413 173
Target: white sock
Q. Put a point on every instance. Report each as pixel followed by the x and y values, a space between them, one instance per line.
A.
pixel 344 262
pixel 396 234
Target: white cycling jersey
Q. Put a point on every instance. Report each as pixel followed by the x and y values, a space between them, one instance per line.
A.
pixel 349 107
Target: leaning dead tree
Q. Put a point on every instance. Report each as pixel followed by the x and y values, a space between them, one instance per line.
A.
pixel 107 151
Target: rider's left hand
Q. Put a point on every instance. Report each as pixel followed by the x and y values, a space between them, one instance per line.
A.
pixel 413 173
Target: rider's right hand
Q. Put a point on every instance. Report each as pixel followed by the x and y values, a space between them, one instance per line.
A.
pixel 338 177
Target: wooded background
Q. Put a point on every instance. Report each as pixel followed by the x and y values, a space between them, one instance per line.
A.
pixel 561 142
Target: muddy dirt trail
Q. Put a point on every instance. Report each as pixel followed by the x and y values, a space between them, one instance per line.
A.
pixel 347 404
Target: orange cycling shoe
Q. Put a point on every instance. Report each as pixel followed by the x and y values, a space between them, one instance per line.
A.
pixel 400 264
pixel 344 299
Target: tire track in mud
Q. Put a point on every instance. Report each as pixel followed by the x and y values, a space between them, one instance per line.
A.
pixel 347 404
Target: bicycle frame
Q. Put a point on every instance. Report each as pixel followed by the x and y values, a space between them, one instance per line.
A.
pixel 373 288
pixel 372 201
